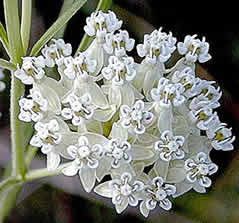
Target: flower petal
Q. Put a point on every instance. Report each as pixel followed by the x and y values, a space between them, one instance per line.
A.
pixel 70 170
pixel 140 153
pixel 176 175
pixel 53 160
pixel 104 189
pixel 87 176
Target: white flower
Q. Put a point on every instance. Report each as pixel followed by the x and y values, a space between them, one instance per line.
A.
pixel 167 94
pixel 187 78
pixel 157 192
pixel 221 136
pixel 194 49
pixel 170 147
pixel 48 136
pixel 81 108
pixel 33 107
pixel 199 168
pixel 157 47
pixel 124 191
pixel 135 119
pixel 118 43
pixel 2 84
pixel 119 71
pixel 203 117
pixel 85 161
pixel 208 96
pixel 55 52
pixel 80 66
pixel 100 23
pixel 118 150
pixel 31 70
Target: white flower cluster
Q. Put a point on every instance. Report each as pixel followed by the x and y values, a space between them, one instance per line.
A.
pixel 148 126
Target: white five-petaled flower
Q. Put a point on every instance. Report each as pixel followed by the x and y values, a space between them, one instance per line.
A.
pixel 33 107
pixel 157 47
pixel 100 23
pixel 170 146
pixel 119 71
pixel 203 117
pixel 118 150
pixel 81 108
pixel 220 135
pixel 31 70
pixel 167 94
pixel 187 78
pixel 80 66
pixel 85 161
pixel 124 191
pixel 135 119
pixel 118 43
pixel 55 52
pixel 199 168
pixel 208 96
pixel 157 192
pixel 194 49
pixel 48 136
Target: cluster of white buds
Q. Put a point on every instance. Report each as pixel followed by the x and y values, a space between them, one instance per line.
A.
pixel 110 116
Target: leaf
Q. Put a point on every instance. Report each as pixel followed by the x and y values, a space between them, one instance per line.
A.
pixel 7 65
pixel 13 30
pixel 3 37
pixel 57 25
pixel 26 23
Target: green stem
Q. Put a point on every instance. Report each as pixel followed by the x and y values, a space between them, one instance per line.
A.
pixel 40 173
pixel 18 166
pixel 17 88
pixel 26 23
pixel 8 182
pixel 31 152
pixel 103 5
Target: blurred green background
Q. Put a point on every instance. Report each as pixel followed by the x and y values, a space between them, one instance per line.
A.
pixel 60 200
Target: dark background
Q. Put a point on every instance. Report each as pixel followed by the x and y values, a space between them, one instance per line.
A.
pixel 218 22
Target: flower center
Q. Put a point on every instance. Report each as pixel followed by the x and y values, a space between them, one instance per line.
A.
pixel 117 153
pixel 160 194
pixel 173 146
pixel 83 151
pixel 203 169
pixel 126 189
pixel 219 136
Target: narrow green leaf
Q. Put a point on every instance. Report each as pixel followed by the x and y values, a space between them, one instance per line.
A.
pixel 13 30
pixel 57 25
pixel 26 23
pixel 7 65
pixel 3 37
pixel 66 5
pixel 104 5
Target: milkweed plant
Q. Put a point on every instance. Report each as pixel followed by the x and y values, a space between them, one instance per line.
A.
pixel 139 133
